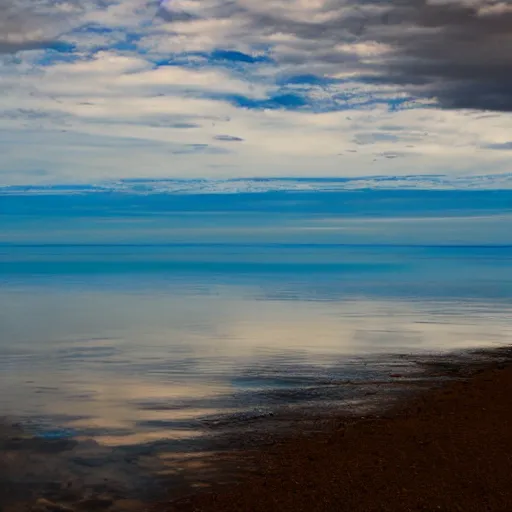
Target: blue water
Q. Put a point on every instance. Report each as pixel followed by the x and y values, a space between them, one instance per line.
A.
pixel 130 318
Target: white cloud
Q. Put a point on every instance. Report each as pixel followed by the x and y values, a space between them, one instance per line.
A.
pixel 109 111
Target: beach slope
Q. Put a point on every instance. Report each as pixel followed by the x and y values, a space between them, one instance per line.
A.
pixel 447 449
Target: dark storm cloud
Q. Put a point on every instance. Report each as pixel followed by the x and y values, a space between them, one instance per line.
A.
pixel 457 51
pixel 459 54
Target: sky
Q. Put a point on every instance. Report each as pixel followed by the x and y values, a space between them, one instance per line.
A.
pixel 99 90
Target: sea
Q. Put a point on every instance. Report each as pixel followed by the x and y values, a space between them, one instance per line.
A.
pixel 131 315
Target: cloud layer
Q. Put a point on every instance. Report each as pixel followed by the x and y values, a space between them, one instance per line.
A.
pixel 102 89
pixel 458 52
pixel 262 185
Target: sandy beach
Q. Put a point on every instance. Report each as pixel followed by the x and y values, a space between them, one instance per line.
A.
pixel 448 448
pixel 442 443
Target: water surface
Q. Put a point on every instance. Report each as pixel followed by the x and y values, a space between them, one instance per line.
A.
pixel 131 318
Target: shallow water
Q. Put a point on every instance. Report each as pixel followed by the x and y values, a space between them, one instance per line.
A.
pixel 131 356
pixel 136 340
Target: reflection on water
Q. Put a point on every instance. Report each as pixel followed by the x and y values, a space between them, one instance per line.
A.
pixel 131 355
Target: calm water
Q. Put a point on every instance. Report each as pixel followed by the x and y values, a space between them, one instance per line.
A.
pixel 134 326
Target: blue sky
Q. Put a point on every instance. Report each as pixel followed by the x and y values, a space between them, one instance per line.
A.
pixel 107 90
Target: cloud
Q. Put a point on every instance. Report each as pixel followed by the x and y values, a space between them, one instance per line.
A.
pixel 506 146
pixel 28 25
pixel 158 186
pixel 459 52
pixel 251 185
pixel 363 139
pixel 228 138
pixel 107 89
pixel 204 149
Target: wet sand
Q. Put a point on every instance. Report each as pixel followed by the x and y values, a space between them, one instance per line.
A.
pixel 437 438
pixel 448 448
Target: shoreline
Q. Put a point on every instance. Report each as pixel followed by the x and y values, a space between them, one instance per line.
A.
pixel 276 456
pixel 447 447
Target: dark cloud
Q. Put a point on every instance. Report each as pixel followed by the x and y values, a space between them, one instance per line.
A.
pixel 33 24
pixel 40 24
pixel 174 15
pixel 13 47
pixel 461 55
pixel 456 51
